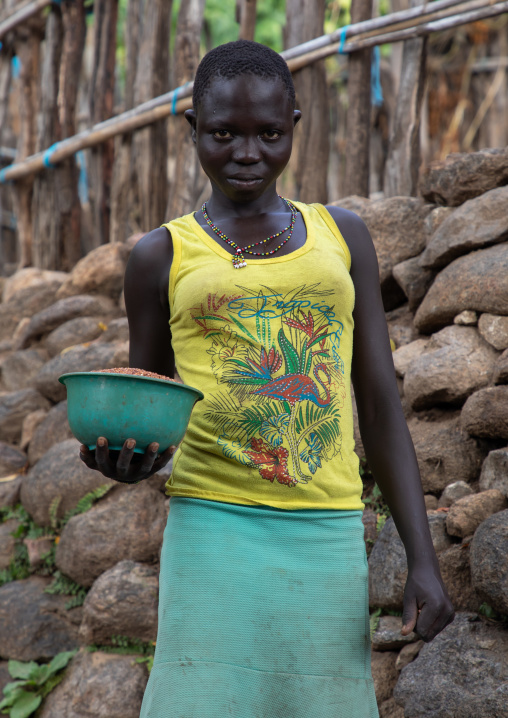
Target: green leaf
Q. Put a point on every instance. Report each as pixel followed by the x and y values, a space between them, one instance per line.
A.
pixel 60 661
pixel 289 353
pixel 26 704
pixel 11 693
pixel 19 669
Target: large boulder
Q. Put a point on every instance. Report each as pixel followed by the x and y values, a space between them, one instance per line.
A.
pixel 466 514
pixel 63 311
pixel 388 564
pixel 9 491
pixel 84 357
pixel 384 674
pixel 31 278
pixel 454 492
pixel 405 355
pixel 14 407
pixel 12 460
pixel 60 473
pixel 501 369
pixel 477 223
pixel 101 271
pixel 401 326
pixel 20 368
pixel 462 672
pixel 123 601
pixel 100 685
pixel 494 329
pixel 485 413
pixel 477 281
pixel 52 429
pixel 75 331
pixel 456 573
pixel 414 280
pixel 489 561
pixel 129 524
pixel 494 473
pixel 445 452
pixel 463 176
pixel 23 305
pixel 34 625
pixel 388 636
pixel 455 363
pixel 7 542
pixel 397 226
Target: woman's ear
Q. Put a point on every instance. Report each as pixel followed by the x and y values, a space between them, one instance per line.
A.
pixel 297 116
pixel 190 116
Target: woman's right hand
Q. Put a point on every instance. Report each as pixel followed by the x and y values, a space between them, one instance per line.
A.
pixel 124 465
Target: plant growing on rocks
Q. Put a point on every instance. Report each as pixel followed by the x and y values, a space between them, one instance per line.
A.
pixel 32 683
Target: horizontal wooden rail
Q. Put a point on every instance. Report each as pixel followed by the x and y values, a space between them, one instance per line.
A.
pixel 21 14
pixel 434 17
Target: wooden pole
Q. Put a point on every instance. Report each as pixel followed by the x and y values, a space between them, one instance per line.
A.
pixel 358 114
pixel 311 146
pixel 247 19
pixel 28 50
pixel 403 161
pixel 187 180
pixel 101 100
pixel 150 146
pixel 22 15
pixel 162 106
pixel 122 187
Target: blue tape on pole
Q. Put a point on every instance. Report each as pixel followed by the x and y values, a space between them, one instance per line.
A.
pixel 83 179
pixel 173 104
pixel 15 66
pixel 46 158
pixel 376 91
pixel 342 40
pixel 2 175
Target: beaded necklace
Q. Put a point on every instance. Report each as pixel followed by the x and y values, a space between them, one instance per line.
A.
pixel 238 258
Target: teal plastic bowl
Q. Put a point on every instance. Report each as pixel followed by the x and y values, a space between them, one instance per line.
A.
pixel 126 406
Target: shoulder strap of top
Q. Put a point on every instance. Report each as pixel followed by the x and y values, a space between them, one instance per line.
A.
pixel 172 228
pixel 332 226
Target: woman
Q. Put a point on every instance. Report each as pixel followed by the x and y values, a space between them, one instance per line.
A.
pixel 270 308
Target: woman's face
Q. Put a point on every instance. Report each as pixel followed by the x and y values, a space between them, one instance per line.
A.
pixel 244 133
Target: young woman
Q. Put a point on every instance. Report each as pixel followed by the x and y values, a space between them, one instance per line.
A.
pixel 270 307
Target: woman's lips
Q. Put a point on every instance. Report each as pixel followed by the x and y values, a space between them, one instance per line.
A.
pixel 245 182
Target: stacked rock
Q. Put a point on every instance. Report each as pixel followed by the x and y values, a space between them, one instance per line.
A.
pixel 444 279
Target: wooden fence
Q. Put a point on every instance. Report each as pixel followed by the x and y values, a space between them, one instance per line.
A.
pixel 136 160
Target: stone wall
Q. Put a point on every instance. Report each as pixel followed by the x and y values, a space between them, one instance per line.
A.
pixel 444 278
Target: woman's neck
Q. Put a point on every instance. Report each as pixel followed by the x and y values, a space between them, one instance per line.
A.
pixel 221 206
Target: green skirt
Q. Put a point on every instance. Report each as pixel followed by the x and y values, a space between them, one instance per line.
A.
pixel 263 613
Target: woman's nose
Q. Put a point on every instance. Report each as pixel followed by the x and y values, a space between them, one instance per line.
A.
pixel 247 150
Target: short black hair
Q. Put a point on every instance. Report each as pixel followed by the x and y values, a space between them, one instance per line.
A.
pixel 239 58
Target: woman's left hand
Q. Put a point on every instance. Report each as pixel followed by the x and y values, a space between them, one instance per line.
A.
pixel 427 606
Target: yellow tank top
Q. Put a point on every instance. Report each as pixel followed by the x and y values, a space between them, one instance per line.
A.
pixel 270 347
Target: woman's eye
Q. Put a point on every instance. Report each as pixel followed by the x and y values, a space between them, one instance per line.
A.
pixel 270 134
pixel 222 134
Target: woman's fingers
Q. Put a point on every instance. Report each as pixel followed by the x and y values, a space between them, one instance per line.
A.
pixel 102 459
pixel 87 457
pixel 409 616
pixel 149 457
pixel 163 458
pixel 123 464
pixel 431 621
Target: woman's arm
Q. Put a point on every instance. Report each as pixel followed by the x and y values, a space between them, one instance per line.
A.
pixel 147 303
pixel 386 439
